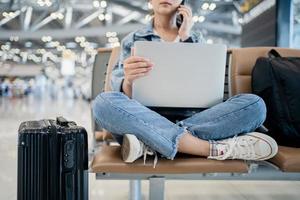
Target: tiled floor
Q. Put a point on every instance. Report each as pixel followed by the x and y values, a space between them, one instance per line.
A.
pixel 14 111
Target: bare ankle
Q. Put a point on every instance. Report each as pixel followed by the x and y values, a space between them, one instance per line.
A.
pixel 192 145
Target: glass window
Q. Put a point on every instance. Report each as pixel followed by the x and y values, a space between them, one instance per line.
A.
pixel 296 34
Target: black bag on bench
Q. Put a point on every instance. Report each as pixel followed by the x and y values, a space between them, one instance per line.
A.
pixel 277 80
pixel 52 161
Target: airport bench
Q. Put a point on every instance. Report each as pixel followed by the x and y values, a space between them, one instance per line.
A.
pixel 108 165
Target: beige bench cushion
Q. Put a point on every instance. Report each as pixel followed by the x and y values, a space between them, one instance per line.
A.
pixel 108 160
pixel 287 159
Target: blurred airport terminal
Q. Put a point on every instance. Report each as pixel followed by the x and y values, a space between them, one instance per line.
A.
pixel 49 46
pixel 47 54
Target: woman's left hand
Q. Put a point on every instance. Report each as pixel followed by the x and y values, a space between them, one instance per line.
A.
pixel 187 23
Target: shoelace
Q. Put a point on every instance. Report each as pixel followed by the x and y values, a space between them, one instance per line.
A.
pixel 148 151
pixel 236 147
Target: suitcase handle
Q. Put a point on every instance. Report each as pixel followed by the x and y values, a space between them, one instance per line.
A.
pixel 63 122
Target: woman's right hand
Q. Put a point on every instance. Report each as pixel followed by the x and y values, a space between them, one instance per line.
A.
pixel 136 67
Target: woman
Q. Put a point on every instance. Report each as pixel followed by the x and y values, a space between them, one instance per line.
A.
pixel 221 132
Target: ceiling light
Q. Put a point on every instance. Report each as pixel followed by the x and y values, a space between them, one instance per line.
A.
pixel 113 34
pixel 80 39
pixel 148 17
pixel 195 18
pixel 48 3
pixel 201 18
pixel 11 14
pixel 60 48
pixel 205 6
pixel 103 4
pixel 46 38
pixel 60 16
pixel 54 44
pixel 53 15
pixel 101 17
pixel 96 4
pixel 57 15
pixel 110 40
pixel 113 39
pixel 108 34
pixel 150 6
pixel 41 51
pixel 82 44
pixel 43 3
pixel 107 17
pixel 14 38
pixel 212 6
pixel 5 47
pixel 5 14
pixel 15 51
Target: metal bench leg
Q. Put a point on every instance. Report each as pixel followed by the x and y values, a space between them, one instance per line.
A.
pixel 157 188
pixel 135 190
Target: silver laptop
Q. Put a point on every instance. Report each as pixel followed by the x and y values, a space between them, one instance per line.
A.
pixel 186 75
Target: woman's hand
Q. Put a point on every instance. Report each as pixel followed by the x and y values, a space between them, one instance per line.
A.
pixel 134 68
pixel 187 23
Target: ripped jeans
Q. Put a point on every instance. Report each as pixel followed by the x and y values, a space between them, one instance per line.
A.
pixel 120 115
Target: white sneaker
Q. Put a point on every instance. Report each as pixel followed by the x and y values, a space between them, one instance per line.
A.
pixel 252 146
pixel 132 149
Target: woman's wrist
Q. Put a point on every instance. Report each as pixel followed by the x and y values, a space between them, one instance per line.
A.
pixel 126 83
pixel 126 87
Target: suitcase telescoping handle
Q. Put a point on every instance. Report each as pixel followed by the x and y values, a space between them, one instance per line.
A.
pixel 63 122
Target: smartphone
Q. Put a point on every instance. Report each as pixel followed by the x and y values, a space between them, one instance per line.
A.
pixel 179 18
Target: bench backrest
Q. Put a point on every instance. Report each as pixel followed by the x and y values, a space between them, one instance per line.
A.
pixel 242 62
pixel 99 71
pixel 115 53
pixel 105 60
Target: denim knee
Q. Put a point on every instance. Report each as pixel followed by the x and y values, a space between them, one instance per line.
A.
pixel 111 96
pixel 97 105
pixel 104 101
pixel 258 107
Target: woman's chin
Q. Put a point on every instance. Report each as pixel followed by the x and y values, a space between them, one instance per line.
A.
pixel 165 11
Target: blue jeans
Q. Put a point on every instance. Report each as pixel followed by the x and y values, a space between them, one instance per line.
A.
pixel 120 115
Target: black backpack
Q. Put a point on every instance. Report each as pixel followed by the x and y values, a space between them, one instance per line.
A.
pixel 277 80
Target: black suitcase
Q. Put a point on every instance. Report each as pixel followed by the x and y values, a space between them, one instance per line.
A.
pixel 52 161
